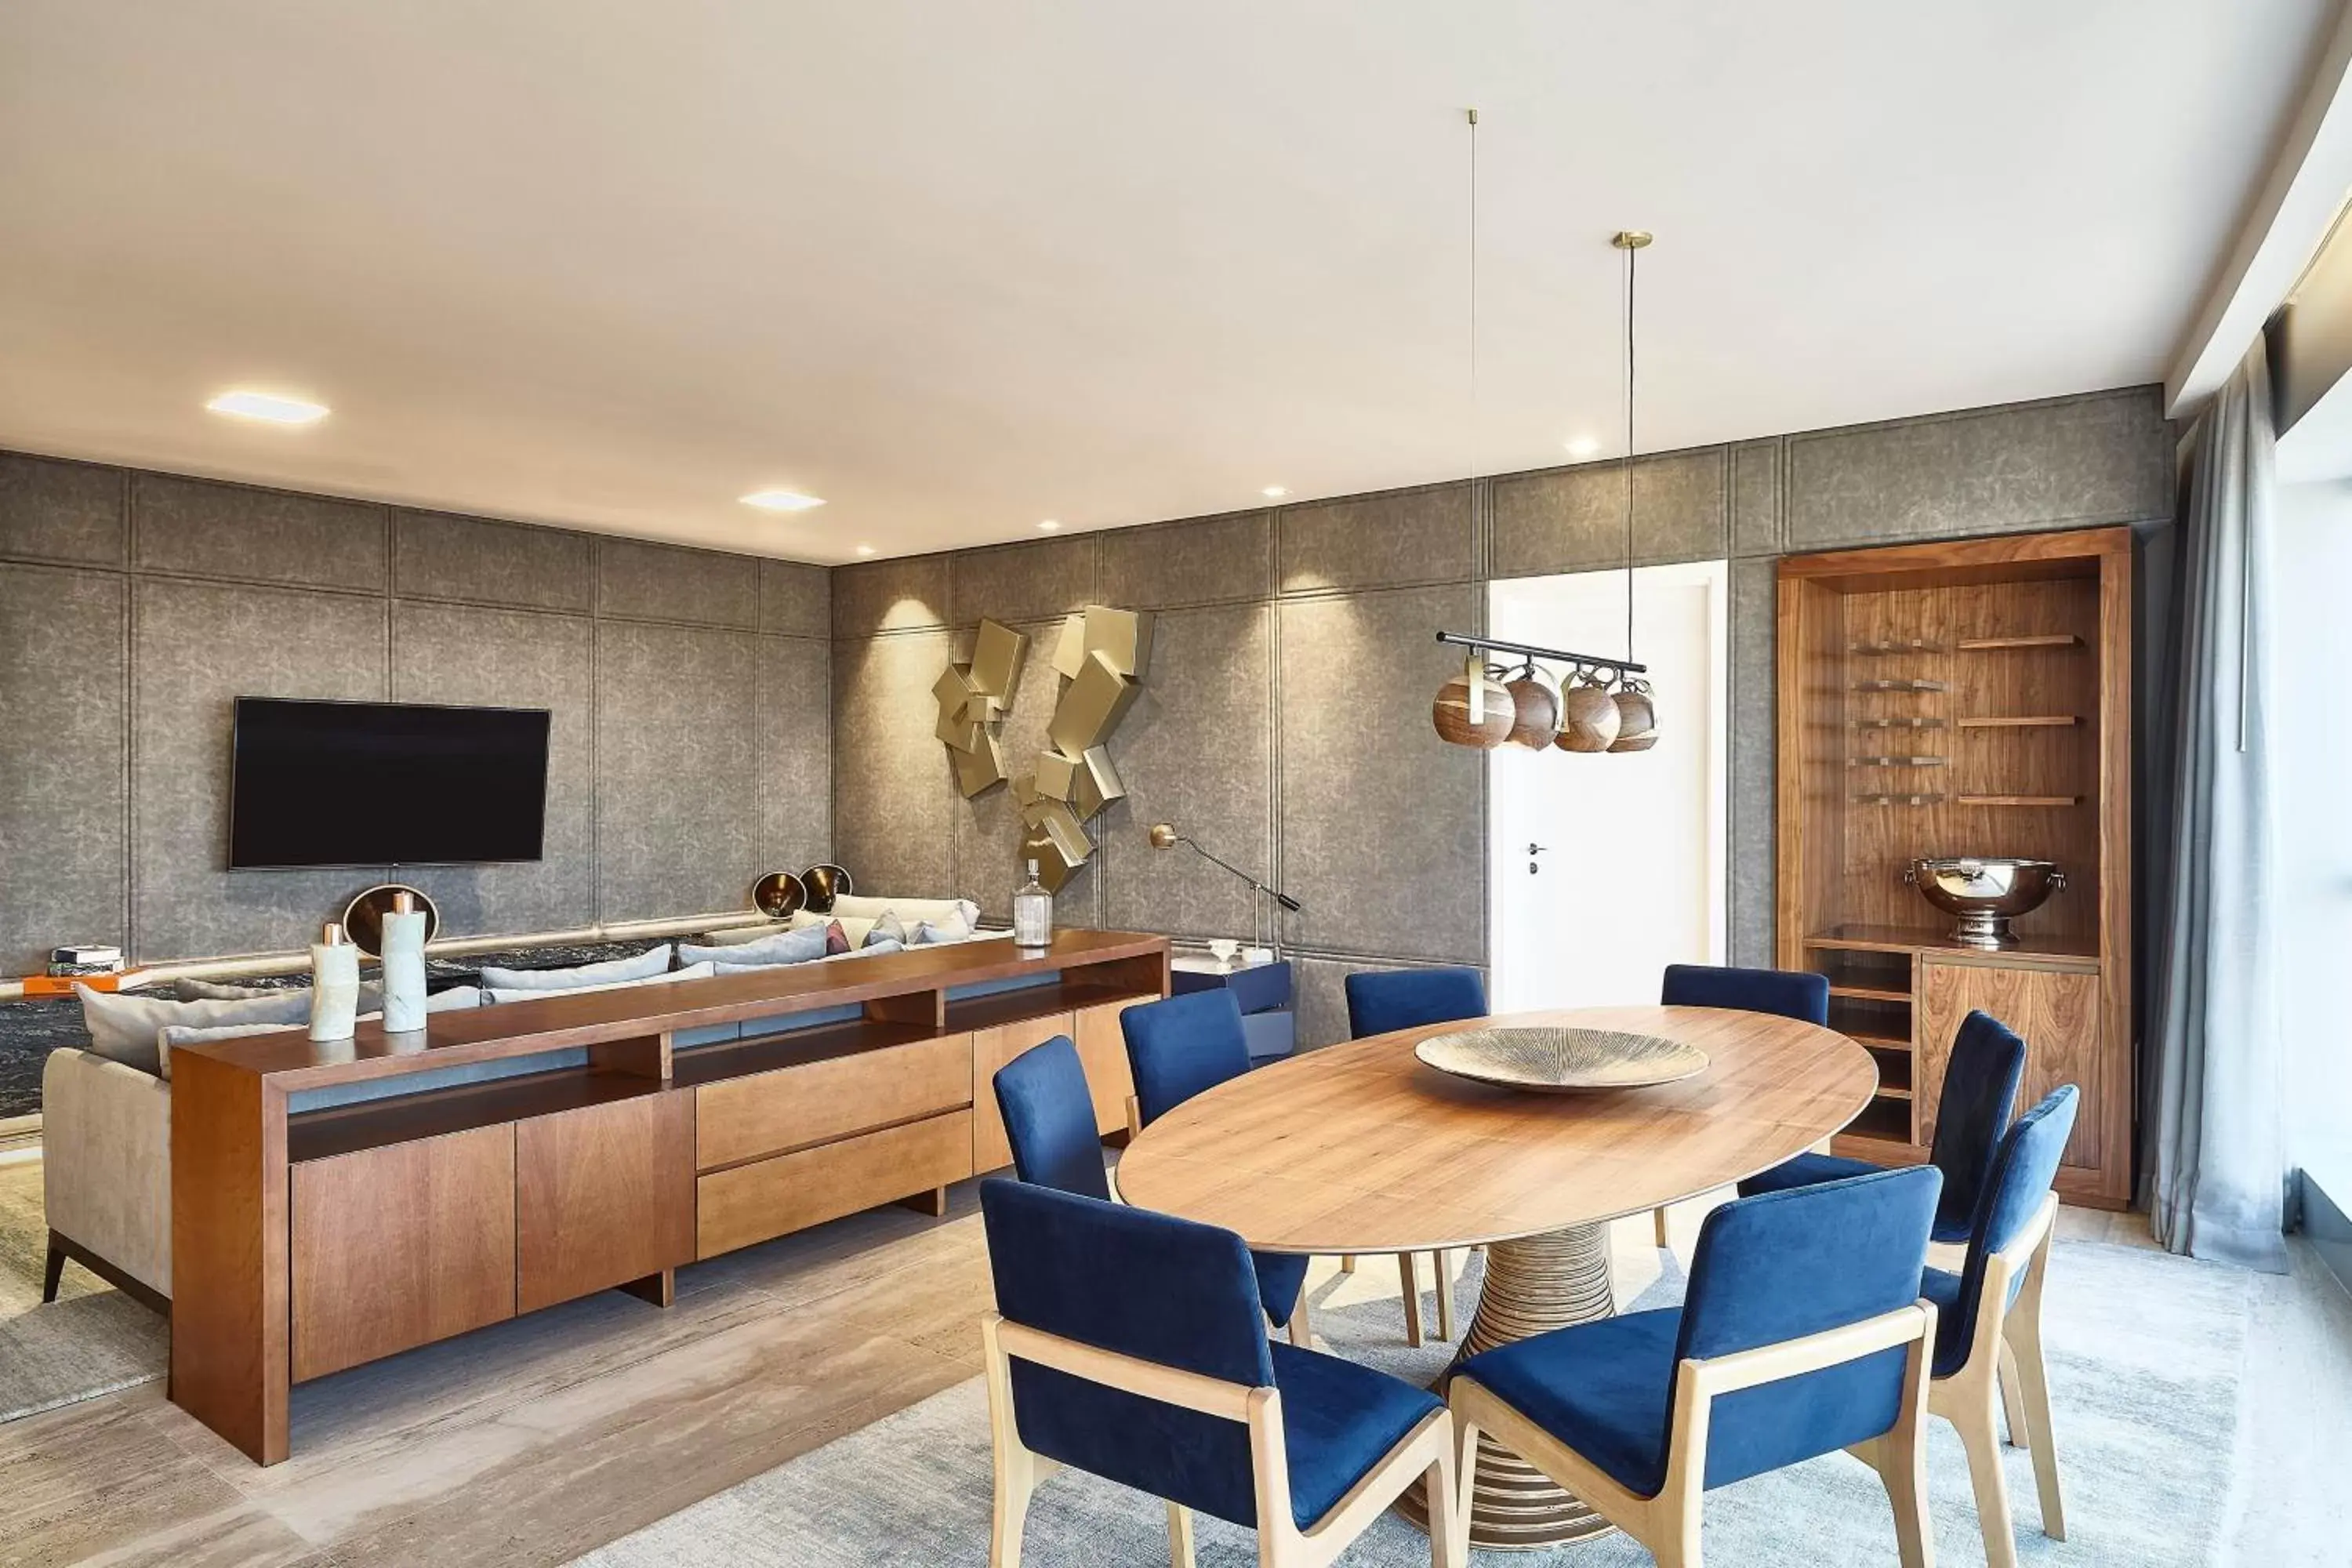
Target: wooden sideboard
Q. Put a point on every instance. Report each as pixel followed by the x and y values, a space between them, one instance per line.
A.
pixel 309 1240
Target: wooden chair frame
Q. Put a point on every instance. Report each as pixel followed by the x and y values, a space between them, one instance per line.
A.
pixel 1426 1452
pixel 2005 1368
pixel 1668 1523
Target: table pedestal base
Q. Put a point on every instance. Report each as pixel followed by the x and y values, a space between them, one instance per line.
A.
pixel 1532 1286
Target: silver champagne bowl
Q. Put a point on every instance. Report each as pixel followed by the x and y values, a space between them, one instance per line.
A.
pixel 1985 892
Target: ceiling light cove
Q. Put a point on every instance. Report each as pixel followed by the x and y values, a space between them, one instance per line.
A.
pixel 1582 445
pixel 782 500
pixel 243 404
pixel 1274 492
pixel 866 550
pixel 1049 526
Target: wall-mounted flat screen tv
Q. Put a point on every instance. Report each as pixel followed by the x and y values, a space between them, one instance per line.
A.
pixel 385 783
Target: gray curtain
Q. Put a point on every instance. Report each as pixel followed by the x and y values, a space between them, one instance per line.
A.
pixel 2218 1166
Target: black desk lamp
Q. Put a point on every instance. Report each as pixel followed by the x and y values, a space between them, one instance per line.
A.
pixel 1165 836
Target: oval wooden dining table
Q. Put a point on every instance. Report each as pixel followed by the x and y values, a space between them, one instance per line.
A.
pixel 1362 1149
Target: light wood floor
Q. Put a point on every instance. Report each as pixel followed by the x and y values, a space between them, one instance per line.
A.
pixel 535 1441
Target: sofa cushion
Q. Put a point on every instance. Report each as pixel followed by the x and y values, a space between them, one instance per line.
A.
pixel 865 908
pixel 742 935
pixel 853 930
pixel 652 961
pixel 122 1025
pixel 497 993
pixel 186 1035
pixel 783 947
pixel 214 991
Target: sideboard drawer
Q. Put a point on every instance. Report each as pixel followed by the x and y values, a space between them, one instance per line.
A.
pixel 744 1118
pixel 737 1206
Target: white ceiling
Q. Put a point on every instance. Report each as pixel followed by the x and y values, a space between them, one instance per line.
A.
pixel 960 268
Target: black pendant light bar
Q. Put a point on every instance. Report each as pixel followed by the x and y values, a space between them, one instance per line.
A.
pixel 1529 650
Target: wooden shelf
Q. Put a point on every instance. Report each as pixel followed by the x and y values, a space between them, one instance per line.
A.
pixel 996 1007
pixel 1878 1150
pixel 1894 1068
pixel 1939 938
pixel 1894 761
pixel 1901 686
pixel 2017 722
pixel 1890 1091
pixel 1917 721
pixel 2019 800
pixel 1874 799
pixel 790 1048
pixel 1907 644
pixel 1870 993
pixel 1885 1117
pixel 1880 1042
pixel 1986 645
pixel 372 1124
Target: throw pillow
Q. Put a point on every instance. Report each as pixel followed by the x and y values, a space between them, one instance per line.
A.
pixel 783 947
pixel 953 928
pixel 743 934
pixel 455 999
pixel 122 1025
pixel 836 941
pixel 184 1035
pixel 652 961
pixel 885 928
pixel 539 992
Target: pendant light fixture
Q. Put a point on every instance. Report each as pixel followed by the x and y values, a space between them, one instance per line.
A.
pixel 1637 711
pixel 1474 708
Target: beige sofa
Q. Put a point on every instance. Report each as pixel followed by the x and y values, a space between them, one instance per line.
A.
pixel 106 1174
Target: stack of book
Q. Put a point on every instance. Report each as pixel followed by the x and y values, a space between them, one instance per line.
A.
pixel 85 960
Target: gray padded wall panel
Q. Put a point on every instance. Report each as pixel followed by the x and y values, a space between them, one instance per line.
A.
pixel 1211 561
pixel 201 529
pixel 795 755
pixel 678 787
pixel 1015 583
pixel 909 594
pixel 2074 462
pixel 73 513
pixel 1196 749
pixel 1387 539
pixel 1755 699
pixel 1319 987
pixel 639 581
pixel 511 659
pixel 1573 519
pixel 62 783
pixel 1755 473
pixel 1382 822
pixel 195 647
pixel 437 555
pixel 795 600
pixel 894 798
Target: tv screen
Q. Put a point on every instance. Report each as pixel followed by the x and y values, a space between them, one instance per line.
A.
pixel 385 783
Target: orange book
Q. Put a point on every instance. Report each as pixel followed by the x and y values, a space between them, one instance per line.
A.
pixel 63 984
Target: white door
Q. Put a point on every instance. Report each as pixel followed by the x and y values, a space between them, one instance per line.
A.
pixel 1607 867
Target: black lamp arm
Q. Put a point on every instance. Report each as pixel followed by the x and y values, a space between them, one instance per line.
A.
pixel 1277 895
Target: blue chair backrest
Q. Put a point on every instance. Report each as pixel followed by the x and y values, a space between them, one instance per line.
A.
pixel 1782 1265
pixel 2022 1175
pixel 1972 1108
pixel 1181 1044
pixel 1381 1000
pixel 1146 1285
pixel 1792 993
pixel 1049 1120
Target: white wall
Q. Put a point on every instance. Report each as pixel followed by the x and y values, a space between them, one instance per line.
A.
pixel 2314 764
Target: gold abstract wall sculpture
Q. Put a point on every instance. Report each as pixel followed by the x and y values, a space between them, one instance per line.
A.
pixel 1101 655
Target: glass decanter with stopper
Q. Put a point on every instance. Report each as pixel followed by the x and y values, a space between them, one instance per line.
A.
pixel 1033 913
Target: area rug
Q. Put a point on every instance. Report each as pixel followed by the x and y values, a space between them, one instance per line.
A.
pixel 2144 1350
pixel 91 1340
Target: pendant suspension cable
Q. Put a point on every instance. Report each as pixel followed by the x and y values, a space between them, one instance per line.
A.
pixel 1474 320
pixel 1631 249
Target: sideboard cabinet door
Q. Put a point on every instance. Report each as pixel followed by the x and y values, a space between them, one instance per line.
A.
pixel 604 1196
pixel 2057 1011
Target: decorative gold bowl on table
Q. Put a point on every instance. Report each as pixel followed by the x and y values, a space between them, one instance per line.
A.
pixel 1561 1060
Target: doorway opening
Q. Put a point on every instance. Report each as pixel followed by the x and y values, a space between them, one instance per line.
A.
pixel 1604 868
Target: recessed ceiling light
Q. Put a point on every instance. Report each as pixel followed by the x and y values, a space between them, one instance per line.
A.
pixel 1276 492
pixel 1582 445
pixel 866 550
pixel 782 500
pixel 1048 526
pixel 267 405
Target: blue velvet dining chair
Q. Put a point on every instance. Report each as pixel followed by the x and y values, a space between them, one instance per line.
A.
pixel 1979 1090
pixel 1786 993
pixel 1379 1001
pixel 1989 1323
pixel 1049 1120
pixel 1127 1343
pixel 1803 1332
pixel 1176 1047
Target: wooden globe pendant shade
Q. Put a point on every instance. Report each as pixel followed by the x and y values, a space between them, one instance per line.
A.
pixel 1637 719
pixel 1534 703
pixel 1452 710
pixel 1588 718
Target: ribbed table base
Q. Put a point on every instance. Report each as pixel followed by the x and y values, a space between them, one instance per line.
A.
pixel 1533 1286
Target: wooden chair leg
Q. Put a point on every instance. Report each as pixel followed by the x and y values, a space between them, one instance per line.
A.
pixel 2012 1402
pixel 1443 1263
pixel 1449 1538
pixel 2033 1390
pixel 1465 1481
pixel 1017 1478
pixel 54 1269
pixel 1974 1418
pixel 1347 1263
pixel 1302 1329
pixel 1658 1222
pixel 1180 1536
pixel 1406 1266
